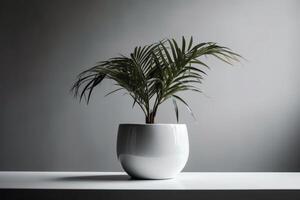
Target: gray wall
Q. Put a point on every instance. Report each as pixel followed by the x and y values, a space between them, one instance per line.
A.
pixel 247 120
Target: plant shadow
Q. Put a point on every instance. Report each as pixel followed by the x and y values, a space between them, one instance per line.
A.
pixel 100 178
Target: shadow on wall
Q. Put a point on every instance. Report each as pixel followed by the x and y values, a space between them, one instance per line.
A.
pixel 292 157
pixel 45 43
pixel 295 146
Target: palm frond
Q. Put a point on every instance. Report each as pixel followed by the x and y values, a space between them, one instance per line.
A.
pixel 154 73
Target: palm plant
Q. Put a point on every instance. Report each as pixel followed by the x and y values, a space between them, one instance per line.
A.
pixel 155 73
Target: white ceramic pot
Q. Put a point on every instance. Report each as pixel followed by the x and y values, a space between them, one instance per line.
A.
pixel 153 151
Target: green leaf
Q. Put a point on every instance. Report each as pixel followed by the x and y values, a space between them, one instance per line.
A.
pixel 186 105
pixel 176 109
pixel 190 43
pixel 183 44
pixel 114 91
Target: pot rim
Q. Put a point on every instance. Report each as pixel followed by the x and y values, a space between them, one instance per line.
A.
pixel 144 124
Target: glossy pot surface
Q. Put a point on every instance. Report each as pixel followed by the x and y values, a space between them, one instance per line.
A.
pixel 153 151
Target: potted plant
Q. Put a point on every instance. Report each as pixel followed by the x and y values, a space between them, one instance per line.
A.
pixel 151 75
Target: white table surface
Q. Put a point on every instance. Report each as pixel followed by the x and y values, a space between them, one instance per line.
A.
pixel 120 181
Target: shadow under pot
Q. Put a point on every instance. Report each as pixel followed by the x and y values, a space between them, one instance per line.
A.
pixel 153 151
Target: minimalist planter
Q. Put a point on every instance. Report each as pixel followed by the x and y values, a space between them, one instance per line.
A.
pixel 151 75
pixel 153 151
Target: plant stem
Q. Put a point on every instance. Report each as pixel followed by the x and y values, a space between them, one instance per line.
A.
pixel 150 118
